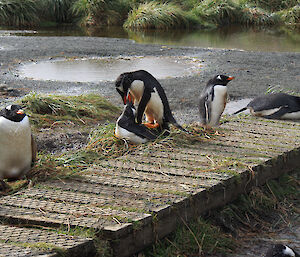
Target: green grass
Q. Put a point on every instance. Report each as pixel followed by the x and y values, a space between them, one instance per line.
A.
pixel 51 110
pixel 153 15
pixel 19 13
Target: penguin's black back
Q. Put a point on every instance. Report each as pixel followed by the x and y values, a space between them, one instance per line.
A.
pixel 276 100
pixel 127 121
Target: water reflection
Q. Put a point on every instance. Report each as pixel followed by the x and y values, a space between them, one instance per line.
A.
pixel 230 37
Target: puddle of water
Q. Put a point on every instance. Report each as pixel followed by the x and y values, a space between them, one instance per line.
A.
pixel 233 106
pixel 108 69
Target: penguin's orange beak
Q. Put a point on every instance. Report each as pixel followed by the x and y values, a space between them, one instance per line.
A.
pixel 21 112
pixel 129 97
pixel 230 78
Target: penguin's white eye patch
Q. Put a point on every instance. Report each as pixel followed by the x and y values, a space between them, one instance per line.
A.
pixel 8 108
pixel 219 77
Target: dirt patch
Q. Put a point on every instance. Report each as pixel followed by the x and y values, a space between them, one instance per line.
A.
pixel 61 141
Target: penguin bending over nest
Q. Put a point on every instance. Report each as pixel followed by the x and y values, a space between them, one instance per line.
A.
pixel 275 106
pixel 17 146
pixel 149 97
pixel 280 250
pixel 213 100
pixel 127 128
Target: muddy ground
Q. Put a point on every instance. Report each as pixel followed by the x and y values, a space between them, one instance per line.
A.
pixel 254 72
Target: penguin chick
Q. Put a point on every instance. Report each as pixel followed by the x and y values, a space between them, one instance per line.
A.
pixel 127 128
pixel 149 97
pixel 280 250
pixel 275 106
pixel 17 146
pixel 213 100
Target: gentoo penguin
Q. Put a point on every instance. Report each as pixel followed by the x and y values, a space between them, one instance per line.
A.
pixel 127 128
pixel 17 147
pixel 149 97
pixel 275 106
pixel 213 100
pixel 280 250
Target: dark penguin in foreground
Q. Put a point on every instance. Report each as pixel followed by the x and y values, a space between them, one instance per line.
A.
pixel 17 147
pixel 280 250
pixel 149 97
pixel 275 106
pixel 213 100
pixel 127 128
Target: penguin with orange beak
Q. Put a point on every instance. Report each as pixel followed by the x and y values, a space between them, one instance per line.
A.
pixel 17 146
pixel 149 97
pixel 213 100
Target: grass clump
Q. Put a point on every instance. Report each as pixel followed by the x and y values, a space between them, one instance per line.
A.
pixel 19 13
pixel 153 15
pixel 47 110
pixel 290 16
pixel 99 12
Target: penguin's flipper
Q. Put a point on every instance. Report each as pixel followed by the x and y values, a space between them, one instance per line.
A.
pixel 241 110
pixel 277 115
pixel 33 149
pixel 142 105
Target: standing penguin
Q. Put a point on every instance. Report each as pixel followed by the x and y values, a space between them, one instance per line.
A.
pixel 280 250
pixel 149 96
pixel 275 106
pixel 213 100
pixel 17 147
pixel 127 128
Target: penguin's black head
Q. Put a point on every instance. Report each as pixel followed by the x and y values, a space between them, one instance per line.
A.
pixel 13 113
pixel 129 111
pixel 221 80
pixel 123 84
pixel 280 250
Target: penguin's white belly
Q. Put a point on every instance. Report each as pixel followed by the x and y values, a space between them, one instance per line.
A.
pixel 125 134
pixel 264 112
pixel 291 116
pixel 218 104
pixel 155 108
pixel 15 147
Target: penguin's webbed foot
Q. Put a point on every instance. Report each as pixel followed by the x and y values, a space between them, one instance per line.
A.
pixel 151 125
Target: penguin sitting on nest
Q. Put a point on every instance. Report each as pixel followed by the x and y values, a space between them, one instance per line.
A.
pixel 17 146
pixel 275 106
pixel 213 100
pixel 280 250
pixel 127 128
pixel 149 97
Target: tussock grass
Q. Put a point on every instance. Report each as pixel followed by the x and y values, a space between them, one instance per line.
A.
pixel 99 12
pixel 290 16
pixel 58 10
pixel 50 110
pixel 19 13
pixel 153 15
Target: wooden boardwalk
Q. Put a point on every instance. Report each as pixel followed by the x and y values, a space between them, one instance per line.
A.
pixel 135 199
